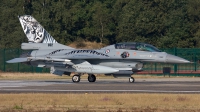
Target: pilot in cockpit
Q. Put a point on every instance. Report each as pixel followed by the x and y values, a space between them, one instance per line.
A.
pixel 141 48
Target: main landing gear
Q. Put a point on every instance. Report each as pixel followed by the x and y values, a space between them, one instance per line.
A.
pixel 91 78
pixel 131 80
pixel 77 78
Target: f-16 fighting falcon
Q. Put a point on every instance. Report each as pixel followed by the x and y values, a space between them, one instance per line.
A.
pixel 119 60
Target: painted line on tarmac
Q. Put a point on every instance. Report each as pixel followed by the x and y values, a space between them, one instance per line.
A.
pixel 147 91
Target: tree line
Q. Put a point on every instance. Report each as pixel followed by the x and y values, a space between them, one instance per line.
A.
pixel 163 23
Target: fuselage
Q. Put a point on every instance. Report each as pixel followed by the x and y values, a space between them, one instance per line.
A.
pixel 107 60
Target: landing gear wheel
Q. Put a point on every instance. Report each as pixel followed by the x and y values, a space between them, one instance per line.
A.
pixel 91 78
pixel 131 80
pixel 76 78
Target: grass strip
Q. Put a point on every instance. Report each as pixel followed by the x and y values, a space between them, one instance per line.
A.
pixel 100 102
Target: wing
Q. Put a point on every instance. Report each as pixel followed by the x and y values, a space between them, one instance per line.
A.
pixel 27 59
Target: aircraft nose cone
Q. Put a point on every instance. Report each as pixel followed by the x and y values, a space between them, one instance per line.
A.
pixel 175 59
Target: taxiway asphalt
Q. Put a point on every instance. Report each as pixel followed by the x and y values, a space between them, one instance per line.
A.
pixel 149 85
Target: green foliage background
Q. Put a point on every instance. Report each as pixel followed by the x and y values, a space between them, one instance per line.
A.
pixel 163 23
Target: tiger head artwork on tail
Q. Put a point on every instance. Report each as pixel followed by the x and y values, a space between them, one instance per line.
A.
pixel 34 31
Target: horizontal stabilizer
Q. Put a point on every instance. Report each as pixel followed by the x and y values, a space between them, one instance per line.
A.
pixel 17 60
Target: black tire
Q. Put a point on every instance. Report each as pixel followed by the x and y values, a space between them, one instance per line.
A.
pixel 76 78
pixel 91 78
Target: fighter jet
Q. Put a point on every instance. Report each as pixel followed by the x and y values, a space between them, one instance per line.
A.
pixel 118 60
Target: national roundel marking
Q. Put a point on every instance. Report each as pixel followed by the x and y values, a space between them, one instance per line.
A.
pixel 107 51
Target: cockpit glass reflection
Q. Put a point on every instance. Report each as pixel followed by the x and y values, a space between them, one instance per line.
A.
pixel 137 46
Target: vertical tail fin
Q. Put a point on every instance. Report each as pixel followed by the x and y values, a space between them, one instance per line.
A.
pixel 34 31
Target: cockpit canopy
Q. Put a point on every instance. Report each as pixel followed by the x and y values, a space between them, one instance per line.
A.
pixel 137 46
